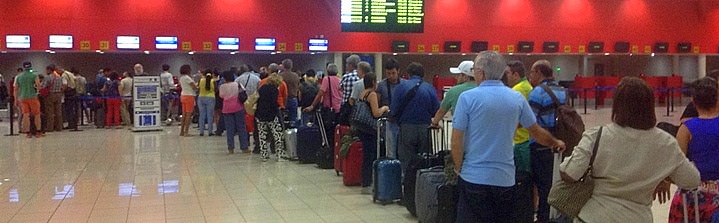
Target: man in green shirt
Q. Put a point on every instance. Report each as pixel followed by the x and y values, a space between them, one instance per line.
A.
pixel 465 81
pixel 26 93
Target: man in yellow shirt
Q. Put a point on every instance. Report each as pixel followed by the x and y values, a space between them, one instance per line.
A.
pixel 514 77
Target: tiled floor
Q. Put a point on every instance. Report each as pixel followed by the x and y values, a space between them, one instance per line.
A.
pixel 100 175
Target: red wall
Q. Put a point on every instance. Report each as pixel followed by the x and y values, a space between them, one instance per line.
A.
pixel 502 22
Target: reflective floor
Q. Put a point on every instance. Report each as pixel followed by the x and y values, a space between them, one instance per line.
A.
pixel 101 175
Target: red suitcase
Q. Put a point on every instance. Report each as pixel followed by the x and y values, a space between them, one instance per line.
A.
pixel 340 131
pixel 352 165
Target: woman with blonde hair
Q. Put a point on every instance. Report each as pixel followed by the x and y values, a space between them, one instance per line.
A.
pixel 267 115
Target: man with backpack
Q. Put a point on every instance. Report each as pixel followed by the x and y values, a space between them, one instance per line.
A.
pixel 541 77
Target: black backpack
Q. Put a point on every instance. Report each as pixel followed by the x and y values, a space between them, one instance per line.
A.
pixel 309 91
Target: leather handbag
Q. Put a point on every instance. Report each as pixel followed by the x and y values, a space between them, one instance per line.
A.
pixel 362 118
pixel 242 96
pixel 570 198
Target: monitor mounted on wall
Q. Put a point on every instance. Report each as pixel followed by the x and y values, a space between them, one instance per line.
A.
pixel 550 47
pixel 452 46
pixel 479 46
pixel 596 47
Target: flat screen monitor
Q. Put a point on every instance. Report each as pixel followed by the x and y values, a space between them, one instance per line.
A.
pixel 61 41
pixel 128 42
pixel 265 44
pixel 400 46
pixel 319 44
pixel 166 42
pixel 479 46
pixel 17 41
pixel 391 16
pixel 452 46
pixel 228 43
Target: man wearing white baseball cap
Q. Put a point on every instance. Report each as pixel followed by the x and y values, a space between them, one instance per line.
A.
pixel 465 81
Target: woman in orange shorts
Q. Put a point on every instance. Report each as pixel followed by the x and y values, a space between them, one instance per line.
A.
pixel 187 99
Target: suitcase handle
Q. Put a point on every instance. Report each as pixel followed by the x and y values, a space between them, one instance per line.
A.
pixel 381 122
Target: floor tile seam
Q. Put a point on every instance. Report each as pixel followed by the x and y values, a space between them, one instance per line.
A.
pixel 32 197
pixel 73 185
pixel 233 200
pixel 103 187
pixel 197 198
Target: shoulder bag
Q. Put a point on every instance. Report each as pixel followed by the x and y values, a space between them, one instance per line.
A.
pixel 362 118
pixel 570 198
pixel 242 96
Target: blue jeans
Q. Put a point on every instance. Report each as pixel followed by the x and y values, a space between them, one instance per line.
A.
pixel 391 139
pixel 235 125
pixel 206 106
pixel 369 148
pixel 291 106
pixel 484 203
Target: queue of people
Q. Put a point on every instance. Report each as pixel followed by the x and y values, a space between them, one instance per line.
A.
pixel 503 141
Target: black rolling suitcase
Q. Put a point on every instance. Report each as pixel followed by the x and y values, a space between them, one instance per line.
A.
pixel 325 156
pixel 435 158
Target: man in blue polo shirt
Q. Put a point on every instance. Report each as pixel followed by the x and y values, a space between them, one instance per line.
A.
pixel 484 123
pixel 414 102
pixel 542 159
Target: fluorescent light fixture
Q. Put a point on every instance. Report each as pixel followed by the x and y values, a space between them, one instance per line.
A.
pixel 166 42
pixel 128 42
pixel 61 41
pixel 318 44
pixel 17 41
pixel 228 43
pixel 265 44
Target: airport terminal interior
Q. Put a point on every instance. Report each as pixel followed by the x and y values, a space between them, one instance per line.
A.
pixel 91 165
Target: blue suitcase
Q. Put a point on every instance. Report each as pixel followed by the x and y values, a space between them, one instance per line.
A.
pixel 387 172
pixel 309 142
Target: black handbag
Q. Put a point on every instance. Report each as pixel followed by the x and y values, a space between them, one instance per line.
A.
pixel 242 96
pixel 362 118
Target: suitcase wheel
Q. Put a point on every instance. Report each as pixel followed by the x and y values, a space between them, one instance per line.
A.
pixel 337 172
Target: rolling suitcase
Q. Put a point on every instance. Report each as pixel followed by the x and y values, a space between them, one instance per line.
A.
pixel 428 181
pixel 325 156
pixel 352 167
pixel 309 142
pixel 426 161
pixel 340 131
pixel 291 143
pixel 387 172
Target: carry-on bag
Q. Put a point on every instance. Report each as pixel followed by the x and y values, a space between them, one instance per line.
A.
pixel 428 181
pixel 387 171
pixel 352 167
pixel 340 131
pixel 309 142
pixel 435 158
pixel 324 157
pixel 291 143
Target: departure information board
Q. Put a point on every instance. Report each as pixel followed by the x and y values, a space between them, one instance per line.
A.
pixel 394 16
